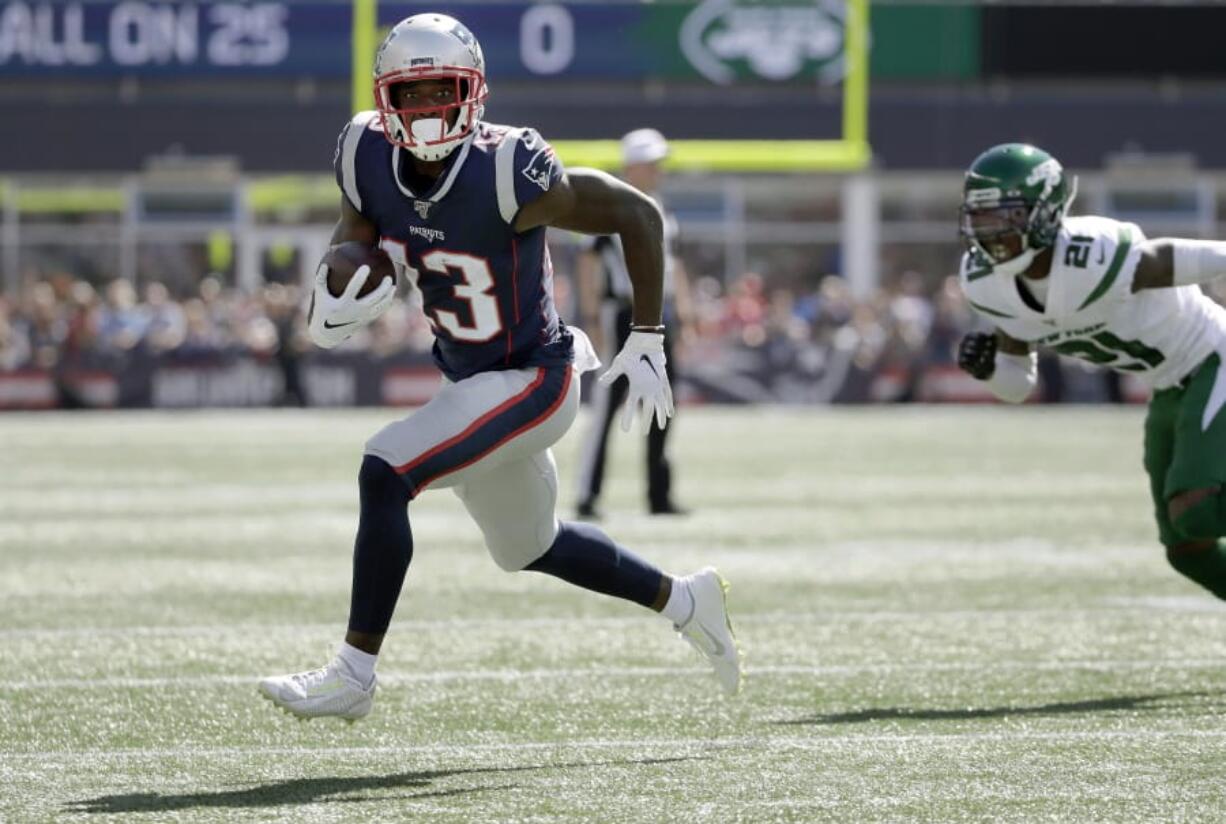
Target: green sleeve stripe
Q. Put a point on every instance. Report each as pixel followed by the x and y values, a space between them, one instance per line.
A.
pixel 985 310
pixel 1123 245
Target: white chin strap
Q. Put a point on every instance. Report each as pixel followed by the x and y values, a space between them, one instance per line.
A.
pixel 1015 266
pixel 432 128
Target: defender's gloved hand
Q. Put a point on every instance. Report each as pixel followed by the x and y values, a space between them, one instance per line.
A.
pixel 642 362
pixel 332 320
pixel 977 355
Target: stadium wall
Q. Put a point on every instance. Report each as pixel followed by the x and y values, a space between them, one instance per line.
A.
pixel 909 128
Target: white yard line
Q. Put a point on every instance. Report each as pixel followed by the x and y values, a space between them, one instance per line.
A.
pixel 511 675
pixel 660 747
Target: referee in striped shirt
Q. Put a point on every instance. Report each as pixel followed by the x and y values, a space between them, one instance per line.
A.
pixel 605 305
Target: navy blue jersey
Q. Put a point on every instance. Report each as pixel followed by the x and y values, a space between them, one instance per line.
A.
pixel 486 289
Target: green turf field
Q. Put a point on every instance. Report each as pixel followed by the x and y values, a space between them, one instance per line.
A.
pixel 949 615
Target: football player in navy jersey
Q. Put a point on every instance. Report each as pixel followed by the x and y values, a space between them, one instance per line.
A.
pixel 461 206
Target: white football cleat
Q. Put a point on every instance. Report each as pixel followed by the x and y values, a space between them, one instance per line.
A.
pixel 709 629
pixel 326 692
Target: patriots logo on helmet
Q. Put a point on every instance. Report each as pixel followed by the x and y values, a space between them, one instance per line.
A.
pixel 462 33
pixel 540 168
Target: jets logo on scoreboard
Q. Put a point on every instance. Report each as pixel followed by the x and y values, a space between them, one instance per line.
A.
pixel 729 39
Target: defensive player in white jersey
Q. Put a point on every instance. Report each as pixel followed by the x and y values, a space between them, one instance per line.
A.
pixel 1097 289
pixel 461 206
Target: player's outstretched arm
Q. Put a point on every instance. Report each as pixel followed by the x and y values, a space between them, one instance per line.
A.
pixel 586 200
pixel 1176 261
pixel 595 203
pixel 1008 366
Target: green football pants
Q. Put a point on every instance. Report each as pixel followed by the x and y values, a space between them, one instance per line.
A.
pixel 1184 451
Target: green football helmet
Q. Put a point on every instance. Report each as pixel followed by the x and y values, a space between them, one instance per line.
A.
pixel 1013 201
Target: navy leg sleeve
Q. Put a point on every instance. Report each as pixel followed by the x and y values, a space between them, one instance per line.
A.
pixel 585 556
pixel 383 548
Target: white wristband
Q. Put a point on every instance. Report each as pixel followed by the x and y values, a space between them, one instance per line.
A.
pixel 1198 261
pixel 1014 377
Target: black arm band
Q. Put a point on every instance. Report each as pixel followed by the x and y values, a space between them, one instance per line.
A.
pixel 655 330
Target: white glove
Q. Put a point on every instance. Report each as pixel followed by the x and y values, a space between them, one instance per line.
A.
pixel 642 362
pixel 333 320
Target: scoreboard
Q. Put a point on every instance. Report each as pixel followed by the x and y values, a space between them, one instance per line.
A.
pixel 721 41
pixel 793 46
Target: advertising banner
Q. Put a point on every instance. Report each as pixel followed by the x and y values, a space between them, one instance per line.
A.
pixel 348 380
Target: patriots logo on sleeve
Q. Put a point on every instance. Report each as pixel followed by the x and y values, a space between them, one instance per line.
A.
pixel 540 168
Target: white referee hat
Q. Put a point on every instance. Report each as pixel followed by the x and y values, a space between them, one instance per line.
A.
pixel 643 146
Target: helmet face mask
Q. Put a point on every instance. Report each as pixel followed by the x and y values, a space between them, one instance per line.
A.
pixel 996 233
pixel 432 50
pixel 1014 199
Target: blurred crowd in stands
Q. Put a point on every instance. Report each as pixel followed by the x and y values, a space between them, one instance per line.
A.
pixel 62 319
pixel 59 318
pixel 747 341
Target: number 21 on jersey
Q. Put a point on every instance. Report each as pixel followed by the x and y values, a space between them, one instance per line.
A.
pixel 473 283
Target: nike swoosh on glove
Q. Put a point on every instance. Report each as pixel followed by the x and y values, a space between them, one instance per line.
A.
pixel 332 320
pixel 642 362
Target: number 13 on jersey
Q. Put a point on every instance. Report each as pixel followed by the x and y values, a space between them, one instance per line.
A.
pixel 473 284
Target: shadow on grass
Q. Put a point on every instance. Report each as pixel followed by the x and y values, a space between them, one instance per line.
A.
pixel 1123 703
pixel 328 790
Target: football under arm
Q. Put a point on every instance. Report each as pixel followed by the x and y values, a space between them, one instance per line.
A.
pixel 1017 369
pixel 596 203
pixel 1176 261
pixel 325 307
